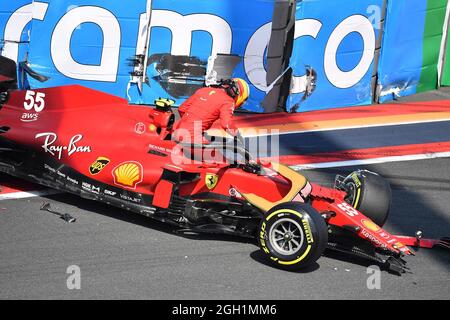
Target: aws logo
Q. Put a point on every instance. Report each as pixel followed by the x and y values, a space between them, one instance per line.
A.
pixel 98 165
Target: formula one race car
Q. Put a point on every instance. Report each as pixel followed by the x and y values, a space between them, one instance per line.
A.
pixel 101 148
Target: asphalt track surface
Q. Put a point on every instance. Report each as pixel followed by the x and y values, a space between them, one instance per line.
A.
pixel 125 256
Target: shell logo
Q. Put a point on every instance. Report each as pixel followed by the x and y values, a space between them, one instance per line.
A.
pixel 128 174
pixel 399 245
pixel 371 225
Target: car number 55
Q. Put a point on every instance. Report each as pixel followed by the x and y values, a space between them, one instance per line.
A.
pixel 34 100
pixel 348 209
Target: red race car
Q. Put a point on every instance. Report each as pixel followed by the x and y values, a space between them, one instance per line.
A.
pixel 101 148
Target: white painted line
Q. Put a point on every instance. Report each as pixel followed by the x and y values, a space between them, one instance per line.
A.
pixel 445 38
pixel 350 163
pixel 28 194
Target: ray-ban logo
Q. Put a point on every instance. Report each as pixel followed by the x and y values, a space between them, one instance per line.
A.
pixel 56 150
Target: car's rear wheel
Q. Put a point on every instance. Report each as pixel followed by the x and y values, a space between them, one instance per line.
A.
pixel 293 235
pixel 370 194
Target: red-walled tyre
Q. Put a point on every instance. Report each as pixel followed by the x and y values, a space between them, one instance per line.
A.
pixel 293 235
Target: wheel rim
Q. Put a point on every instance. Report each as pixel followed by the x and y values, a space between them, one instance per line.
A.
pixel 286 236
pixel 350 198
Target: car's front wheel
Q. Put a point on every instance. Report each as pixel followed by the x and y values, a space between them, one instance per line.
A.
pixel 370 194
pixel 293 235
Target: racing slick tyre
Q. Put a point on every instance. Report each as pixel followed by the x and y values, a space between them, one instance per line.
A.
pixel 370 194
pixel 293 235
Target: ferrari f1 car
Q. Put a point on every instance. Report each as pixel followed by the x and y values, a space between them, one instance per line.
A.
pixel 101 148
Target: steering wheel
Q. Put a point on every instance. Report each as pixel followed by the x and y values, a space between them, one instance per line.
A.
pixel 250 165
pixel 229 143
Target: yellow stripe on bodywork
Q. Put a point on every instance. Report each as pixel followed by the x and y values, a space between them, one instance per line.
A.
pixel 298 182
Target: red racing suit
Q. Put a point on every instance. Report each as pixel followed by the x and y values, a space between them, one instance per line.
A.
pixel 201 110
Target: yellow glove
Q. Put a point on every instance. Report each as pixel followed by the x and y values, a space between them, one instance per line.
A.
pixel 164 103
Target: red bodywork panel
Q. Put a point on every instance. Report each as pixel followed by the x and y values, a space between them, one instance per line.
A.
pixel 104 138
pixel 81 128
pixel 332 200
pixel 163 194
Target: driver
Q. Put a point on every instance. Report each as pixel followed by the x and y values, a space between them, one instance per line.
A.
pixel 206 106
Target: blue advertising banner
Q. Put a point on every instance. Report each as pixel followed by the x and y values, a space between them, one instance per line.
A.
pixel 86 42
pixel 15 18
pixel 410 48
pixel 146 49
pixel 399 73
pixel 334 50
pixel 199 29
pixel 98 44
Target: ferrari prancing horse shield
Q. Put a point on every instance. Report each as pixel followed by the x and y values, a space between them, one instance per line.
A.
pixel 211 180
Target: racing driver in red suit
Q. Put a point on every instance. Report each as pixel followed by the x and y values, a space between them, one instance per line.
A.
pixel 206 106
